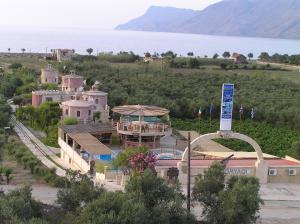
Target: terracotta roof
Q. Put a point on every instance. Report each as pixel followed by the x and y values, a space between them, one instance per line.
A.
pixel 231 163
pixel 140 110
pixel 90 144
pixel 89 128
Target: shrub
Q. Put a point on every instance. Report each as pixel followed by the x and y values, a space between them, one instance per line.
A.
pixel 70 121
pixel 15 66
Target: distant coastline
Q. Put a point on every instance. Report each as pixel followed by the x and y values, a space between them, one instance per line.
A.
pixel 140 42
pixel 229 18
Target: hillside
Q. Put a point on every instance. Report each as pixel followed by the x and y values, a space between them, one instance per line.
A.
pixel 159 19
pixel 229 17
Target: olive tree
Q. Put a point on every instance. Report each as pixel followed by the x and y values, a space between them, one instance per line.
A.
pixel 236 201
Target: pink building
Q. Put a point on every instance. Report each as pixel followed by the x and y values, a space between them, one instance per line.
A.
pixel 72 83
pixel 82 110
pixel 49 75
pixel 98 98
pixel 41 96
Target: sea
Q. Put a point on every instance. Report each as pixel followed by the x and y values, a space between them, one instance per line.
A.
pixel 44 39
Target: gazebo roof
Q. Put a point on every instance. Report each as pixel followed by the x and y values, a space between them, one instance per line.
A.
pixel 140 110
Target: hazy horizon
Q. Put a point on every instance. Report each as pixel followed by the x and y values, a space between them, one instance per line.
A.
pixel 78 14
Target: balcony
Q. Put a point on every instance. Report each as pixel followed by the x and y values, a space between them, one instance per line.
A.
pixel 144 128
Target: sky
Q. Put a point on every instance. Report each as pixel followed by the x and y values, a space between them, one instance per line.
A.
pixel 105 14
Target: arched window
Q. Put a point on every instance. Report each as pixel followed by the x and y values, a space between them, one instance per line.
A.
pixel 78 113
pixel 97 101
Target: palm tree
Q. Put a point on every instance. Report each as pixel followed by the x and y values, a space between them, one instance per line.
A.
pixel 23 50
pixel 250 56
pixel 8 49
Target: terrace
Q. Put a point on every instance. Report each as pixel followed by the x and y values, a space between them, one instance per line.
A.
pixel 140 125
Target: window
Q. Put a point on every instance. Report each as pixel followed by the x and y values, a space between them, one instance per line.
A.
pixel 78 113
pixel 46 80
pixel 97 101
pixel 75 89
pixel 90 112
pixel 49 99
pixel 272 172
pixel 292 172
pixel 67 112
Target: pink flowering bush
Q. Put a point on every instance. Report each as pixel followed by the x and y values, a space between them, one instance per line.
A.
pixel 142 161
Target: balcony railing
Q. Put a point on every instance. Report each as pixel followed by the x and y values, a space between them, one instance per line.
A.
pixel 143 127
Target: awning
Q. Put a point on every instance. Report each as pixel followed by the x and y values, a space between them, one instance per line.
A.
pixel 140 110
pixel 90 144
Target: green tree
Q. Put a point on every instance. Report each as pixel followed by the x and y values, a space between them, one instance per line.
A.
pixel 23 50
pixel 250 56
pixel 20 204
pixel 81 190
pixel 122 159
pixel 169 54
pixel 96 116
pixel 190 54
pixel 147 55
pixel 238 203
pixel 164 203
pixel 17 100
pixel 241 200
pixel 114 208
pixel 264 56
pixel 193 63
pixel 296 149
pixel 215 56
pixel 70 121
pixel 89 51
pixel 226 54
pixel 8 171
pixel 15 65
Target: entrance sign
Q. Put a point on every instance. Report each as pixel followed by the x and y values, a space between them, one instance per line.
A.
pixel 226 107
pixel 237 171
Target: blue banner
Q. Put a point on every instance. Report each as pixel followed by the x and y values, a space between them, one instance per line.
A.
pixel 227 101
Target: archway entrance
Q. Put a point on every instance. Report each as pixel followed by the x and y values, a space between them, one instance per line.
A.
pixel 260 165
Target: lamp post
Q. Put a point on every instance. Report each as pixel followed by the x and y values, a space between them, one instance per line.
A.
pixel 189 174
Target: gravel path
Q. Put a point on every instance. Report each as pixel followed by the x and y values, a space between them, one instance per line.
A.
pixel 41 151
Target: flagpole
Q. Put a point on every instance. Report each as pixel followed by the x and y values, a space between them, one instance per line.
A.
pixel 199 116
pixel 199 123
pixel 210 112
pixel 241 112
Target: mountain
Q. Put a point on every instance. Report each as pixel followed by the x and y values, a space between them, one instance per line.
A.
pixel 159 19
pixel 253 18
